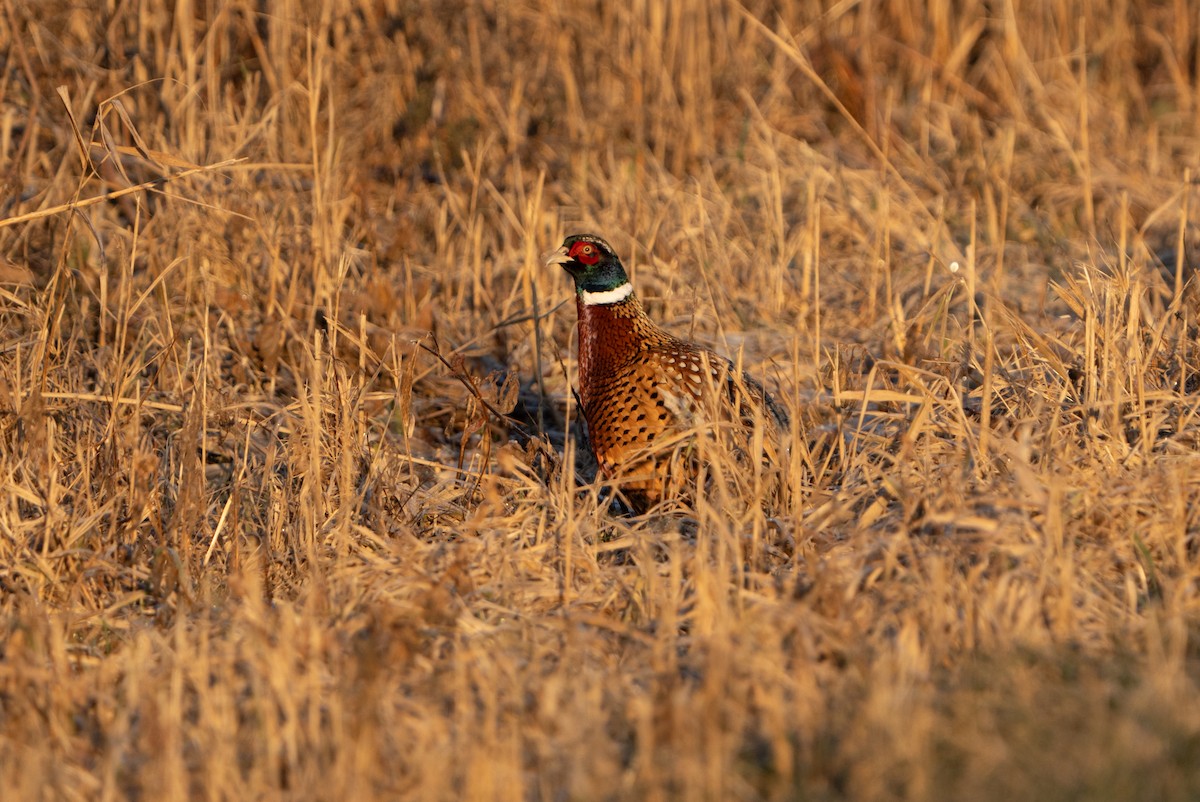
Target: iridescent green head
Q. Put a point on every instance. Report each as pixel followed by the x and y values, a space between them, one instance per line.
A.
pixel 600 277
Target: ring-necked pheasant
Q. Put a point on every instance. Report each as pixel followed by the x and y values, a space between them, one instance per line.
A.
pixel 647 394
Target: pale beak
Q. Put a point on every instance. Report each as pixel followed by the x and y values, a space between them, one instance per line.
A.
pixel 558 257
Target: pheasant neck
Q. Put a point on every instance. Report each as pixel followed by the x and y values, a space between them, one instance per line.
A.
pixel 610 335
pixel 615 295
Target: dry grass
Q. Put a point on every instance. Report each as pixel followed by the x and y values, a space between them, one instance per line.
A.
pixel 258 541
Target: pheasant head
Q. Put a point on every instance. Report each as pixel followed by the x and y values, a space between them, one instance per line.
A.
pixel 599 276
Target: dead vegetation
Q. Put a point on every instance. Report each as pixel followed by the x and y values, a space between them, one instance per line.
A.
pixel 292 503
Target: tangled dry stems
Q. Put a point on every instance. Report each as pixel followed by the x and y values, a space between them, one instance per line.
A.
pixel 293 503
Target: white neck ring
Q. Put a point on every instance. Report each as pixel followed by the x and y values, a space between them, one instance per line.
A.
pixel 608 296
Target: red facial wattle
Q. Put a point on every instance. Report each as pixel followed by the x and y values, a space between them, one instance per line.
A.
pixel 585 252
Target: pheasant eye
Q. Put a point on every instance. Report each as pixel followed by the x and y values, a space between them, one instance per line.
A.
pixel 586 252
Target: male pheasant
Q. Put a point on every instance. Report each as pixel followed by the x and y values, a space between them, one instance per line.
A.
pixel 647 394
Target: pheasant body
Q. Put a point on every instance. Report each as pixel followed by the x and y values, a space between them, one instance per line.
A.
pixel 645 393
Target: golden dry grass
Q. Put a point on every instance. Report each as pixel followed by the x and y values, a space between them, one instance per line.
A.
pixel 258 540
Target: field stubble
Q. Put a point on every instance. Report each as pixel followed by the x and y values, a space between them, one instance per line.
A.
pixel 290 505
